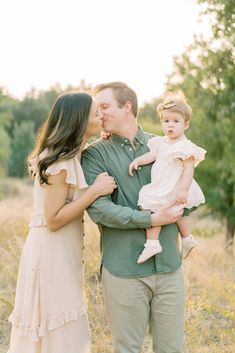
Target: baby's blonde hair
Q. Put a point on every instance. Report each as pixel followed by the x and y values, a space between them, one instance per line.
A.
pixel 175 102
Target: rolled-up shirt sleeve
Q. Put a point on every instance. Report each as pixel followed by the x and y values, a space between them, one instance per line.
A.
pixel 104 211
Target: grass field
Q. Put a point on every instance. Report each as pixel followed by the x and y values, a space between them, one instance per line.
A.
pixel 209 273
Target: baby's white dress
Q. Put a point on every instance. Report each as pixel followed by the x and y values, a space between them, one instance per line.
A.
pixel 167 171
pixel 50 311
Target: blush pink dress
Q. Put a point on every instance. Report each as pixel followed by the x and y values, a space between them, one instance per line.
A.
pixel 167 171
pixel 50 311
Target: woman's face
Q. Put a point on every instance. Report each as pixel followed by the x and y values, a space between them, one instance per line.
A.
pixel 94 122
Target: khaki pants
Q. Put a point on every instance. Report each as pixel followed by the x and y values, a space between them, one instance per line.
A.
pixel 133 303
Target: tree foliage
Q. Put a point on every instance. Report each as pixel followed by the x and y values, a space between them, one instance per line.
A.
pixel 148 118
pixel 6 106
pixel 34 107
pixel 205 72
pixel 4 151
pixel 21 144
pixel 22 119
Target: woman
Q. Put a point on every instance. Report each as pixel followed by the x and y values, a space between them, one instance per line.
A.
pixel 50 314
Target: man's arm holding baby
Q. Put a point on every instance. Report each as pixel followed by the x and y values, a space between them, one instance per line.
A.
pixel 104 211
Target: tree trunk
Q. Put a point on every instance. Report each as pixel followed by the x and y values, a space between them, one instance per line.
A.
pixel 230 230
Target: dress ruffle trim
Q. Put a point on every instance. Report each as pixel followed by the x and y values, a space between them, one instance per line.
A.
pixel 34 333
pixel 197 153
pixel 185 149
pixel 75 175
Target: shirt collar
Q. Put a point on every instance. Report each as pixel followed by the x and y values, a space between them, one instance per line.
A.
pixel 139 137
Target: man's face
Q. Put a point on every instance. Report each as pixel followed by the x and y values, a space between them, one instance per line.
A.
pixel 112 116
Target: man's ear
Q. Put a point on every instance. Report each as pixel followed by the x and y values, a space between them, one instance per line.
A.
pixel 128 106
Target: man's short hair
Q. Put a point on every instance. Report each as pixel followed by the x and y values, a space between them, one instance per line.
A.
pixel 122 93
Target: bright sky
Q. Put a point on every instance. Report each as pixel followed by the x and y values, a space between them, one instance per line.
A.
pixel 48 41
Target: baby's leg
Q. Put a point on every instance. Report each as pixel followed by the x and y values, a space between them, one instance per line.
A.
pixel 184 227
pixel 152 245
pixel 188 241
pixel 153 233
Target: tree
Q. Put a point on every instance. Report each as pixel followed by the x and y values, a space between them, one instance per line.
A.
pixel 6 106
pixel 205 72
pixel 36 105
pixel 148 118
pixel 22 144
pixel 22 120
pixel 4 151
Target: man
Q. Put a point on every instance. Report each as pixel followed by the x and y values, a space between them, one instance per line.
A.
pixel 135 295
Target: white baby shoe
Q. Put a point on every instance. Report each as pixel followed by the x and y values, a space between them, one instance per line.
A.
pixel 188 244
pixel 151 247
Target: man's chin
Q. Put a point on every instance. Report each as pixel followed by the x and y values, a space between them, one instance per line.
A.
pixel 106 130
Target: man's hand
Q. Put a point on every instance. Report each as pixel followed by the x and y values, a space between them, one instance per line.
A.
pixel 167 214
pixel 105 135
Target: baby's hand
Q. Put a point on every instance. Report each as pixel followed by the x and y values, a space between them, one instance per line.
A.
pixel 182 197
pixel 132 166
pixel 105 135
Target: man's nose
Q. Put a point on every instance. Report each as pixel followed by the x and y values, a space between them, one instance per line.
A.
pixel 100 114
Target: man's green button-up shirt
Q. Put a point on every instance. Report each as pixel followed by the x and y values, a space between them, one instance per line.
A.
pixel 122 225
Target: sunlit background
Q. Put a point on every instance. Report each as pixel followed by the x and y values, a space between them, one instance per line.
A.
pixel 44 42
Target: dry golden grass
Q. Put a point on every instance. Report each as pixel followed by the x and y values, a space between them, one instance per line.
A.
pixel 209 275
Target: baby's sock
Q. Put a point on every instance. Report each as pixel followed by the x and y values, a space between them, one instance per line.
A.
pixel 186 239
pixel 152 242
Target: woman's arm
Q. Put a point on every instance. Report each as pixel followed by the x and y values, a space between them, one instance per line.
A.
pixel 57 212
pixel 186 180
pixel 142 160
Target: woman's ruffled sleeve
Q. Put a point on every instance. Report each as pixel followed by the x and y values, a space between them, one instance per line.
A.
pixel 74 172
pixel 186 149
pixel 153 145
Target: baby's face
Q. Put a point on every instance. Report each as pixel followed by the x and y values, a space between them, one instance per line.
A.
pixel 173 124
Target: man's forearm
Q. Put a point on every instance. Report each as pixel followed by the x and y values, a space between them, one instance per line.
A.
pixel 103 211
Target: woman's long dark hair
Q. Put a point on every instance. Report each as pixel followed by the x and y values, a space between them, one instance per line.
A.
pixel 62 134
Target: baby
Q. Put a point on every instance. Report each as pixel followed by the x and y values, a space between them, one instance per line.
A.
pixel 175 158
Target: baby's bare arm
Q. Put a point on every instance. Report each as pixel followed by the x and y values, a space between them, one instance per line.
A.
pixel 186 180
pixel 142 160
